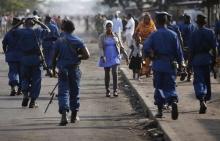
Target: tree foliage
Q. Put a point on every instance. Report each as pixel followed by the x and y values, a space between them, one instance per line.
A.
pixel 17 5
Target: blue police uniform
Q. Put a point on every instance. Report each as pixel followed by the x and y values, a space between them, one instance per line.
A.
pixel 165 46
pixel 29 40
pixel 69 73
pixel 12 57
pixel 186 31
pixel 48 43
pixel 202 41
pixel 217 32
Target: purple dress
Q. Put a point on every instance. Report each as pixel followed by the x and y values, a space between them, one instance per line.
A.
pixel 111 54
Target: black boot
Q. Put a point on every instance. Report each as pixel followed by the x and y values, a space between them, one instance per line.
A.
pixel 33 104
pixel 64 120
pixel 13 91
pixel 159 112
pixel 174 112
pixel 203 107
pixel 108 93
pixel 25 102
pixel 115 93
pixel 19 92
pixel 25 99
pixel 73 116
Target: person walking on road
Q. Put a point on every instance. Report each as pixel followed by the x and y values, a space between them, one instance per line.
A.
pixel 166 50
pixel 136 57
pixel 69 51
pixel 49 40
pixel 129 32
pixel 186 29
pixel 117 24
pixel 145 27
pixel 202 51
pixel 110 48
pixel 12 57
pixel 31 68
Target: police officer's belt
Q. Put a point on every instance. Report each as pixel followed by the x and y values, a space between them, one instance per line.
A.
pixel 50 39
pixel 31 52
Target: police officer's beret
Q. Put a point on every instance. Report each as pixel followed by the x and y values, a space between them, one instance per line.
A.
pixel 201 16
pixel 161 15
pixel 186 15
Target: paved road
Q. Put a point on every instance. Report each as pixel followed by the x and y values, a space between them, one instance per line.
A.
pixel 102 119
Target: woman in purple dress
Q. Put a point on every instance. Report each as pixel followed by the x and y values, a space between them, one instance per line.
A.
pixel 110 48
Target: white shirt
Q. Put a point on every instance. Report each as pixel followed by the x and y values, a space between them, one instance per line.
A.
pixel 117 25
pixel 137 49
pixel 130 26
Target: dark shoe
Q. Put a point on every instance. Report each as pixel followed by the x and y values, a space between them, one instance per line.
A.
pixel 174 112
pixel 64 120
pixel 33 104
pixel 13 93
pixel 189 78
pixel 73 117
pixel 159 113
pixel 115 94
pixel 25 102
pixel 183 76
pixel 108 94
pixel 19 92
pixel 203 107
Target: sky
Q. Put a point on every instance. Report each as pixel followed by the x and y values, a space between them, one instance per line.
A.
pixel 72 7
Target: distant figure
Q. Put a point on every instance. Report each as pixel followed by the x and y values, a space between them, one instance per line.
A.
pixel 86 18
pixel 49 40
pixel 136 57
pixel 117 24
pixel 145 27
pixel 130 27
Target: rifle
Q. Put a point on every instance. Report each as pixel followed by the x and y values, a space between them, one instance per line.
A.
pixel 42 58
pixel 51 99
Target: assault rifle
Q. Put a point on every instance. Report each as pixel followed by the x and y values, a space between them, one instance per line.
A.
pixel 51 99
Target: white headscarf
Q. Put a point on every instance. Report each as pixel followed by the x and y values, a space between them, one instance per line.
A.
pixel 107 22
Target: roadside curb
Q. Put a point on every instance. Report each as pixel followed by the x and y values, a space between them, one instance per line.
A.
pixel 148 104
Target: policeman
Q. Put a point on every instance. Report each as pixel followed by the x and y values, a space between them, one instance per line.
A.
pixel 12 56
pixel 176 29
pixel 203 50
pixel 187 29
pixel 29 42
pixel 69 51
pixel 217 32
pixel 49 40
pixel 165 46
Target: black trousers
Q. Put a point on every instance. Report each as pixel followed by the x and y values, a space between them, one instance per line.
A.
pixel 114 76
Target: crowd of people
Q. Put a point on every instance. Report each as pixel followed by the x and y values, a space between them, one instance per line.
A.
pixel 158 45
pixel 60 49
pixel 166 48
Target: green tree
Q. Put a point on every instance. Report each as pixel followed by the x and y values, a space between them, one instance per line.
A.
pixel 17 5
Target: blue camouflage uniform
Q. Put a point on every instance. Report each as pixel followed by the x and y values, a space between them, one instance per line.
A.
pixel 69 73
pixel 12 57
pixel 202 41
pixel 48 43
pixel 30 61
pixel 166 49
